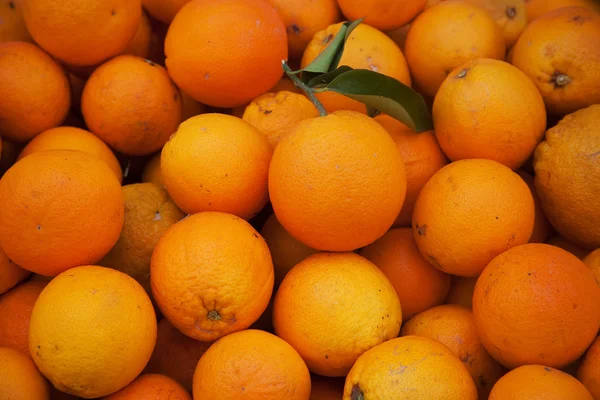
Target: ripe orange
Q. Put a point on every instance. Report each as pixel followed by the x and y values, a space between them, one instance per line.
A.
pixel 424 365
pixel 151 387
pixel 322 388
pixel 12 28
pixel 19 378
pixel 510 15
pixel 454 327
pixel 238 46
pixel 32 101
pixel 329 327
pixel 589 370
pixel 10 273
pixel 541 226
pixel 59 209
pixel 559 241
pixel 536 304
pixel 461 291
pixel 113 111
pixel 559 51
pixel 92 331
pixel 152 173
pixel 469 212
pixel 338 182
pixel 592 260
pixel 82 33
pixel 419 284
pixel 211 275
pixel 472 118
pixel 385 15
pixel 447 35
pixel 251 364
pixel 216 162
pixel 163 10
pixel 139 45
pixel 536 8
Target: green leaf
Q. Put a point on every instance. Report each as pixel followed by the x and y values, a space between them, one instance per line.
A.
pixel 338 55
pixel 324 79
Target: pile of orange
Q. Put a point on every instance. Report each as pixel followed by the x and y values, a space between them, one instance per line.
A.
pixel 179 220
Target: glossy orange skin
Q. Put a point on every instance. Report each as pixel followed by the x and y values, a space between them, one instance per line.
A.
pixel 151 387
pixel 19 378
pixel 589 369
pixel 10 273
pixel 163 10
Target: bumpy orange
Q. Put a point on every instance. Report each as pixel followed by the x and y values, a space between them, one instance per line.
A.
pixel 537 8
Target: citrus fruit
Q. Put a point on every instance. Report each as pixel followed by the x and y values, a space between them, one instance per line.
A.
pixel 151 387
pixel 510 15
pixel 592 260
pixel 163 10
pixel 536 8
pixel 10 273
pixel 385 15
pixel 139 45
pixel 19 378
pixel 13 27
pixel 589 369
pixel 152 173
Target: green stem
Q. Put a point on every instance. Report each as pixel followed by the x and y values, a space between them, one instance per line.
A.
pixel 309 92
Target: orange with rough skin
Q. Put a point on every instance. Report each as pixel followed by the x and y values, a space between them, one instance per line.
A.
pixel 589 369
pixel 140 43
pixel 92 331
pixel 472 118
pixel 461 291
pixel 422 364
pixel 447 35
pixel 324 388
pixel 284 84
pixel 329 327
pixel 59 209
pixel 190 107
pixel 419 284
pixel 151 387
pixel 592 260
pixel 19 378
pixel 224 53
pixel 71 138
pixel 537 8
pixel 276 114
pixel 422 158
pixel 559 241
pixel 163 10
pixel 216 162
pixel 366 48
pixel 536 304
pixel 34 90
pixel 385 15
pixel 251 364
pixel 152 173
pixel 539 382
pixel 82 33
pixel 454 327
pixel 541 226
pixel 559 51
pixel 211 274
pixel 567 176
pixel 112 107
pixel 469 212
pixel 15 311
pixel 12 24
pixel 10 273
pixel 338 182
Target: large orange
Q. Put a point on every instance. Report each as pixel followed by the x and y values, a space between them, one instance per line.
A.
pixel 12 27
pixel 424 366
pixel 92 331
pixel 59 209
pixel 536 8
pixel 419 284
pixel 592 260
pixel 31 101
pixel 447 35
pixel 589 369
pixel 329 327
pixel 163 10
pixel 469 212
pixel 19 378
pixel 113 110
pixel 338 182
pixel 251 364
pixel 472 118
pixel 541 227
pixel 85 32
pixel 217 162
pixel 151 387
pixel 224 53
pixel 211 275
pixel 10 273
pixel 559 51
pixel 536 304
pixel 385 15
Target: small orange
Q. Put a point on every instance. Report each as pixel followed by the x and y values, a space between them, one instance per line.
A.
pixel 419 284
pixel 541 226
pixel 423 365
pixel 510 15
pixel 10 273
pixel 34 90
pixel 163 10
pixel 589 370
pixel 19 378
pixel 385 15
pixel 151 387
pixel 140 43
pixel 537 8
pixel 461 291
pixel 113 111
pixel 284 84
pixel 12 25
pixel 152 173
pixel 592 260
pixel 560 241
pixel 324 388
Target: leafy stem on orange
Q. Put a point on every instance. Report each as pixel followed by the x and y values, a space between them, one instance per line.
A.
pixel 310 93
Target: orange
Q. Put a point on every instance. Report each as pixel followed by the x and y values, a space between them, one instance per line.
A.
pixel 151 387
pixel 149 212
pixel 71 138
pixel 276 114
pixel 82 33
pixel 10 273
pixel 323 388
pixel 592 260
pixel 19 378
pixel 92 331
pixel 163 10
pixel 539 382
pixel 589 370
pixel 329 327
pixel 31 101
pixel 366 48
pixel 251 364
pixel 541 226
pixel 216 162
pixel 338 182
pixel 559 51
pixel 469 212
pixel 454 327
pixel 385 15
pixel 211 275
pixel 423 365
pixel 113 111
pixel 226 35
pixel 446 36
pixel 284 84
pixel 175 355
pixel 190 107
pixel 422 158
pixel 536 8
pixel 140 43
pixel 472 118
pixel 59 209
pixel 419 284
pixel 567 176
pixel 536 304
pixel 152 173
pixel 12 27
pixel 15 311
pixel 461 291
